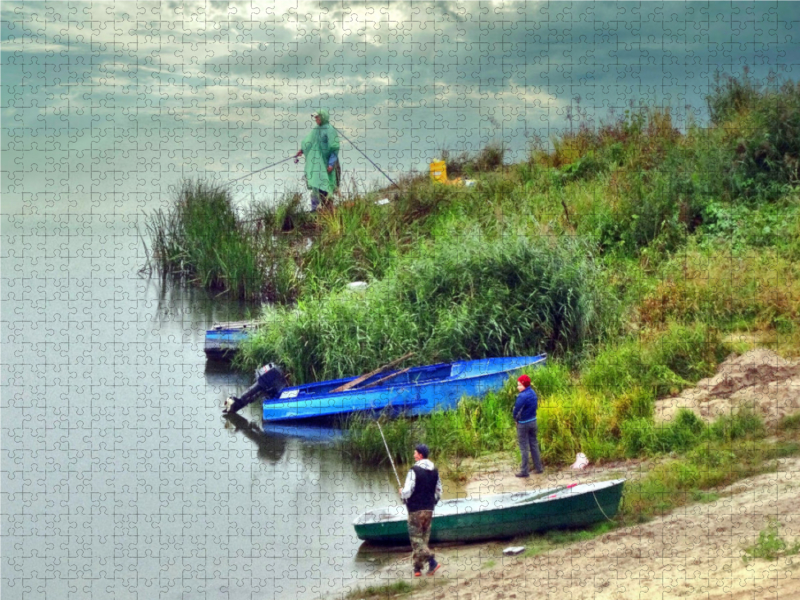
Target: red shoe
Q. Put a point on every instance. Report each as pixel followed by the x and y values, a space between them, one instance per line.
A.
pixel 434 569
pixel 417 574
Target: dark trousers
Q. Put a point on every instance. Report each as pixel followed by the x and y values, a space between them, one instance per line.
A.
pixel 318 197
pixel 528 440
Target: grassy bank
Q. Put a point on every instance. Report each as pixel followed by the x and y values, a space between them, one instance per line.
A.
pixel 605 411
pixel 481 297
pixel 627 251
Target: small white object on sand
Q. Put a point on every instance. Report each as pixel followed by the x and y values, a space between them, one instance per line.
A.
pixel 581 462
pixel 514 550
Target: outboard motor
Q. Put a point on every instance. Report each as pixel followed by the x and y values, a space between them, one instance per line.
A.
pixel 269 383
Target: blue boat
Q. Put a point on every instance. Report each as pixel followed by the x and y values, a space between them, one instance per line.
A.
pixel 415 391
pixel 223 340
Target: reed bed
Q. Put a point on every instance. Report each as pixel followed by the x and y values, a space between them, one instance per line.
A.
pixel 476 298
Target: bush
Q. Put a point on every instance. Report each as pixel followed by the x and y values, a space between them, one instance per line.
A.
pixel 465 298
pixel 200 239
pixel 667 362
pixel 731 96
pixel 768 149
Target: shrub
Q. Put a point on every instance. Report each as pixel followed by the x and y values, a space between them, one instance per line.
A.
pixel 666 362
pixel 464 298
pixel 768 151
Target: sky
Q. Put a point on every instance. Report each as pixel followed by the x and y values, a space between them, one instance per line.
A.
pixel 107 105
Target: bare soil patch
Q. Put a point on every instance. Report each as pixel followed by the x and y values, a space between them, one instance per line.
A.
pixel 760 380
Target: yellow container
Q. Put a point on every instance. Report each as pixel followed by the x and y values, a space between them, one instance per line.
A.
pixel 439 171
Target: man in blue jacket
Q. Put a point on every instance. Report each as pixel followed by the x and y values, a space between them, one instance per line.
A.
pixel 525 417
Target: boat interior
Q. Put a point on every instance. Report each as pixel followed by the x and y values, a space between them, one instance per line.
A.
pixel 488 502
pixel 415 376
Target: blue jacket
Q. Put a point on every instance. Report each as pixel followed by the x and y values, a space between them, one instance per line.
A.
pixel 526 405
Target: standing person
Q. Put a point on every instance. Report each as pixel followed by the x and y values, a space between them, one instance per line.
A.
pixel 321 149
pixel 421 493
pixel 527 430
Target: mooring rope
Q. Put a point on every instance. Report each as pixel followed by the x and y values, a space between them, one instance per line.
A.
pixel 601 508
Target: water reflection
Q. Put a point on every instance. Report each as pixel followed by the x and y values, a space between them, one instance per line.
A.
pixel 270 449
pixel 140 447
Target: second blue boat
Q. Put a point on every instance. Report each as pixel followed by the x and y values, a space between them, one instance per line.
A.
pixel 415 391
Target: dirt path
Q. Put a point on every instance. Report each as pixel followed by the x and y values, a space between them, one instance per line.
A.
pixel 695 552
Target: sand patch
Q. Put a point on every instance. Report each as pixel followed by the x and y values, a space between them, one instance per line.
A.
pixel 759 379
pixel 694 552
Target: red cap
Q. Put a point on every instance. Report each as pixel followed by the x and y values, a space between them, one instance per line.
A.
pixel 524 380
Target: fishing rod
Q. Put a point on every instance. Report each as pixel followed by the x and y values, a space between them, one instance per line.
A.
pixel 261 169
pixel 294 156
pixel 391 460
pixel 367 157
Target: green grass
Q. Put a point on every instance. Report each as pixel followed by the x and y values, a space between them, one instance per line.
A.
pixel 789 423
pixel 710 464
pixel 200 239
pixel 469 296
pixel 551 540
pixel 633 188
pixel 592 412
pixel 625 252
pixel 389 590
pixel 770 545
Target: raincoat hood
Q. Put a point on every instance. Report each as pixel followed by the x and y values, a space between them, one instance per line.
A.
pixel 324 116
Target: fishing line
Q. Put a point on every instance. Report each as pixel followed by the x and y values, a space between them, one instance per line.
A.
pixel 367 157
pixel 259 170
pixel 391 460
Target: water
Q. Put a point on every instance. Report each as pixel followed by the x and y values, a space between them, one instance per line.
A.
pixel 120 476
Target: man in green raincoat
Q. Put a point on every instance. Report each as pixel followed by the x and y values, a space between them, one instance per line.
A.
pixel 321 149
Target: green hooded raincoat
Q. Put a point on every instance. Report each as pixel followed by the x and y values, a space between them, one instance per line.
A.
pixel 317 148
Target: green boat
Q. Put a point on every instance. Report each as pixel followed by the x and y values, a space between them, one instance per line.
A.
pixel 500 515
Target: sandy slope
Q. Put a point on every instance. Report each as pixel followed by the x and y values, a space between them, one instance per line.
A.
pixel 759 379
pixel 695 552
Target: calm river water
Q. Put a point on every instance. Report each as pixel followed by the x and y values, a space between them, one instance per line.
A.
pixel 120 477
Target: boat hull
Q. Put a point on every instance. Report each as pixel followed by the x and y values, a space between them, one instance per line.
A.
pixel 419 391
pixel 567 510
pixel 224 343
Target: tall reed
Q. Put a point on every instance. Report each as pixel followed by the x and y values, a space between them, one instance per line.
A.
pixel 469 297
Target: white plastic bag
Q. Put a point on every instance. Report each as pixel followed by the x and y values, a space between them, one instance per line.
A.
pixel 581 462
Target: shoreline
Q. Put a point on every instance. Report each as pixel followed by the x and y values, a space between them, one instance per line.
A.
pixel 696 550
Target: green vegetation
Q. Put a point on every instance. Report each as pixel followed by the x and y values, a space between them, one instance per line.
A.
pixel 525 296
pixel 628 252
pixel 789 423
pixel 710 464
pixel 550 540
pixel 201 239
pixel 389 590
pixel 770 545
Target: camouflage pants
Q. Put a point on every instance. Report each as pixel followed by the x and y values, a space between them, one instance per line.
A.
pixel 419 530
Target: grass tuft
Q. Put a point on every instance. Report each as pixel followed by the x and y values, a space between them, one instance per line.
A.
pixel 770 545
